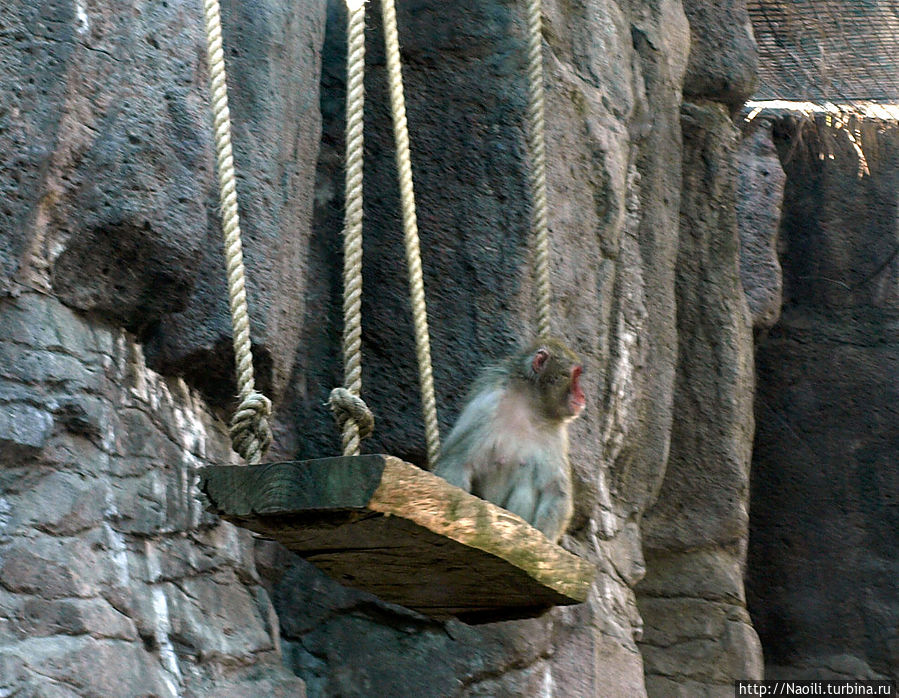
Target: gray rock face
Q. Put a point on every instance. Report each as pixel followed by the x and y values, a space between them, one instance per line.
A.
pixel 723 54
pixel 113 580
pixel 698 637
pixel 714 360
pixel 695 534
pixel 273 54
pixel 110 198
pixel 760 187
pixel 823 556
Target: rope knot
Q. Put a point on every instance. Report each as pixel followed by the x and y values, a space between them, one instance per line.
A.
pixel 347 406
pixel 251 433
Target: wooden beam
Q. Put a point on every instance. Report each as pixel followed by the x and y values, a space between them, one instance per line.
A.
pixel 380 524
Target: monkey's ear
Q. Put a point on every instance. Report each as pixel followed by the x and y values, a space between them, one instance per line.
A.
pixel 539 361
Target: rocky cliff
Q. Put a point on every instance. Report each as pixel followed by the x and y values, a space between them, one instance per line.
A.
pixel 116 365
pixel 823 545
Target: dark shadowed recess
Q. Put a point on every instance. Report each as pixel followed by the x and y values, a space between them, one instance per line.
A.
pixel 824 541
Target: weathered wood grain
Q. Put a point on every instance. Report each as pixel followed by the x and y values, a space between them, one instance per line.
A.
pixel 377 523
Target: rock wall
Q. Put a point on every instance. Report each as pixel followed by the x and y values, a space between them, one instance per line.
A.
pixel 113 581
pixel 760 190
pixel 696 532
pixel 823 558
pixel 698 636
pixel 119 368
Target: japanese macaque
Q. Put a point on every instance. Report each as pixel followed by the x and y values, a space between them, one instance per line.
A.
pixel 510 444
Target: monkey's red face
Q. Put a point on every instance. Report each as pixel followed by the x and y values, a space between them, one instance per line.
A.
pixel 557 374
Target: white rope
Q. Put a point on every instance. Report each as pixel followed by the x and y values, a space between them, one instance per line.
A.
pixel 342 403
pixel 410 232
pixel 537 166
pixel 250 430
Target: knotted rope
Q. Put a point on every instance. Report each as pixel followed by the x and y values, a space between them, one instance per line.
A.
pixel 251 434
pixel 349 409
pixel 347 406
pixel 250 431
pixel 536 141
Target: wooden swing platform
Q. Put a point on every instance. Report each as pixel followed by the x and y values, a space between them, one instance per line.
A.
pixel 380 524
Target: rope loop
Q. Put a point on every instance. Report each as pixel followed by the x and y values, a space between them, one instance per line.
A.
pixel 343 399
pixel 251 432
pixel 350 408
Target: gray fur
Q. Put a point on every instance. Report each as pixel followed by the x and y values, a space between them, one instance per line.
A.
pixel 505 449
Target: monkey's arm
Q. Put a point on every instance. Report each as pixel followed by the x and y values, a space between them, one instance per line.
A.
pixel 454 464
pixel 453 468
pixel 554 508
pixel 466 447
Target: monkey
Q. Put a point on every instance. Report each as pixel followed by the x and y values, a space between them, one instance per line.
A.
pixel 510 442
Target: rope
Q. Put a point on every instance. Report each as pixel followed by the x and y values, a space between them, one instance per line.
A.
pixel 537 166
pixel 347 407
pixel 342 399
pixel 410 232
pixel 250 431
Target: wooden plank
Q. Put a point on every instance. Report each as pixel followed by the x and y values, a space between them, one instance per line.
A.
pixel 380 524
